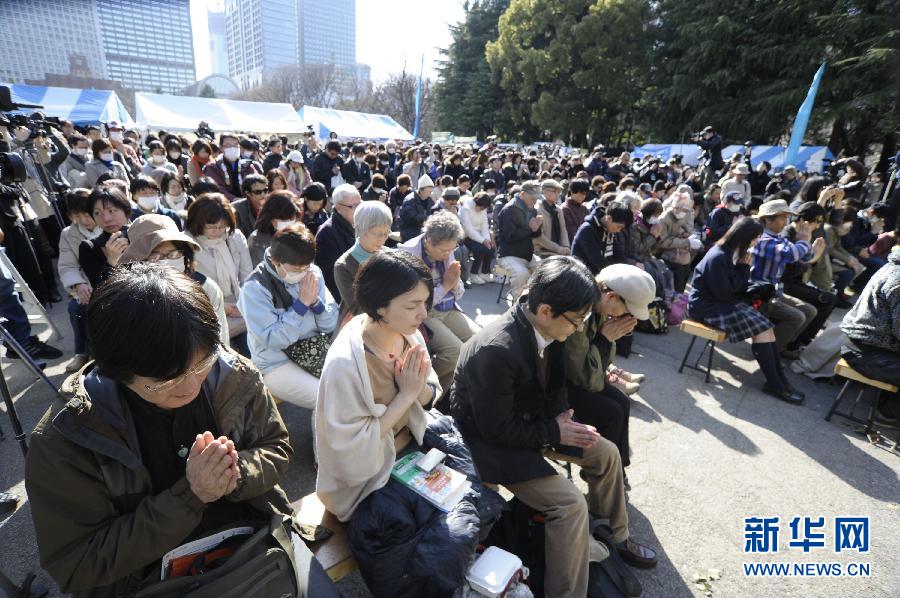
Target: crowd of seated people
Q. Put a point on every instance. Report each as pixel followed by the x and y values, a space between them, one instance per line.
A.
pixel 207 278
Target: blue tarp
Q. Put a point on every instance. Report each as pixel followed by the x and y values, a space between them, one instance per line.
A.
pixel 81 106
pixel 349 125
pixel 810 157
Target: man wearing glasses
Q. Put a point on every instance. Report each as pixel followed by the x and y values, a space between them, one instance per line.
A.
pixel 510 401
pixel 164 438
pixel 246 210
pixel 336 235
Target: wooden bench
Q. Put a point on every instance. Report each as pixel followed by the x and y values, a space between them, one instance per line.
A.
pixel 842 368
pixel 334 553
pixel 700 330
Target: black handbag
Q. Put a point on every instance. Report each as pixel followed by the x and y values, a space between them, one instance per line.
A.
pixel 309 353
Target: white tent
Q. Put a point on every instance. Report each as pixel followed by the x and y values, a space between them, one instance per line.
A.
pixel 352 124
pixel 811 158
pixel 184 113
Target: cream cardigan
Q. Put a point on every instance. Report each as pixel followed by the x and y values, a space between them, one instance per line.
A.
pixel 354 459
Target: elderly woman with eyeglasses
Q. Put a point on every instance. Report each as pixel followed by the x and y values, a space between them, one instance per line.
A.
pixel 372 224
pixel 164 438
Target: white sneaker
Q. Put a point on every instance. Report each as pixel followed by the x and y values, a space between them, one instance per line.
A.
pixel 476 279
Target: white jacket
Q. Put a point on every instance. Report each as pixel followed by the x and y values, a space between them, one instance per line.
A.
pixel 474 223
pixel 70 272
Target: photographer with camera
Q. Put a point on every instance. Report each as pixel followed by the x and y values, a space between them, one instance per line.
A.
pixel 26 242
pixel 711 144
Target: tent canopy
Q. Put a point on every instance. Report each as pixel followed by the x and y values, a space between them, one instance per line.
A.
pixel 352 124
pixel 81 106
pixel 184 113
pixel 811 158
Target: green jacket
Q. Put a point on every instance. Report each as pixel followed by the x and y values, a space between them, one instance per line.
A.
pixel 97 523
pixel 588 355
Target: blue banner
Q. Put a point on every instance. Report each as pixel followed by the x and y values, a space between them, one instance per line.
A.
pixel 802 119
pixel 418 98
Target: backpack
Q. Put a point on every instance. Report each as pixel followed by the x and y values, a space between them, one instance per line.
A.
pixel 657 323
pixel 262 566
pixel 521 532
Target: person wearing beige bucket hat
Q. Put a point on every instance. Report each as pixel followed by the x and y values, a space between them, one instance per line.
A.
pixel 156 238
pixel 738 182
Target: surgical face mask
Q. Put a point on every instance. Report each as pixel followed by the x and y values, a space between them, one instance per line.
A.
pixel 681 214
pixel 177 264
pixel 148 204
pixel 391 150
pixel 653 220
pixel 175 155
pixel 232 153
pixel 357 159
pixel 734 207
pixel 282 224
pixel 247 155
pixel 22 134
pixel 157 160
pixel 289 277
pixel 80 151
pixel 116 135
pixel 106 156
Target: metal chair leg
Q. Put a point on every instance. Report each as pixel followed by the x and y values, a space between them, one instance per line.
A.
pixel 687 354
pixel 712 350
pixel 872 408
pixel 502 286
pixel 837 401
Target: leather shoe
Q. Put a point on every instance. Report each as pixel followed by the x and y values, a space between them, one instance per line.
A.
pixel 785 395
pixel 636 555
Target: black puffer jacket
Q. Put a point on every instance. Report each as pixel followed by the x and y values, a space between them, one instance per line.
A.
pixel 404 546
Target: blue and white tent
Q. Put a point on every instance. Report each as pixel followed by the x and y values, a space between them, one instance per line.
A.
pixel 349 125
pixel 81 106
pixel 811 158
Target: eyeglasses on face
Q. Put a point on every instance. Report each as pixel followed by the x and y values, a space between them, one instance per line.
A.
pixel 196 371
pixel 172 255
pixel 578 324
pixel 257 191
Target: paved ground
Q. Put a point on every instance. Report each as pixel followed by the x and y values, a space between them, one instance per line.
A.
pixel 704 457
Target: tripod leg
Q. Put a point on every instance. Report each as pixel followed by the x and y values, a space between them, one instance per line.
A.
pixel 26 358
pixel 11 411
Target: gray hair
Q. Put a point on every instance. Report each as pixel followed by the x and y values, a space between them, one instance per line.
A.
pixel 343 192
pixel 369 215
pixel 630 199
pixel 442 226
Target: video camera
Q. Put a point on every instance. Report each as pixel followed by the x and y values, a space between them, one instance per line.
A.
pixel 204 130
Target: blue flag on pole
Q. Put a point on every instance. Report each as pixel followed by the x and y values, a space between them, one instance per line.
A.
pixel 802 119
pixel 418 98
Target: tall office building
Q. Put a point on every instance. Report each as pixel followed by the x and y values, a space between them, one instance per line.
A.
pixel 43 37
pixel 265 34
pixel 218 44
pixel 148 44
pixel 261 35
pixel 142 44
pixel 329 32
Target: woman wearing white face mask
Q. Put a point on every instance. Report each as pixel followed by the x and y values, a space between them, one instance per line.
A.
pixel 224 256
pixel 277 213
pixel 158 165
pixel 676 228
pixel 294 172
pixel 103 161
pixel 155 238
pixel 285 301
